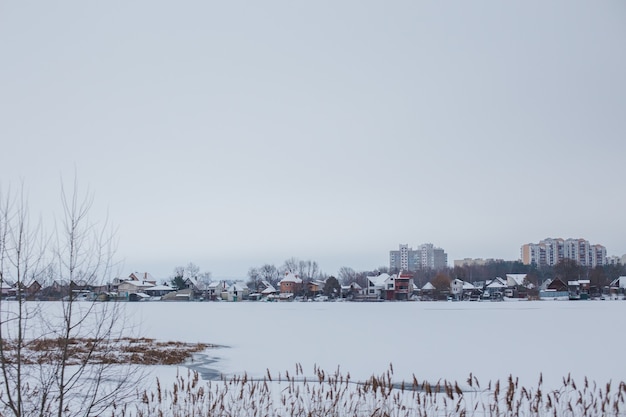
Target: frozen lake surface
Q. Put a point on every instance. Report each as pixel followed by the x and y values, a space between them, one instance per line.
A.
pixel 431 340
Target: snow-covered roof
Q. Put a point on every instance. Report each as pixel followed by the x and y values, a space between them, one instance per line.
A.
pixel 269 290
pixel 141 276
pixel 495 283
pixel 160 288
pixel 515 279
pixel 237 287
pixel 380 280
pixel 289 277
pixel 428 286
pixel 351 286
pixel 468 286
pixel 139 284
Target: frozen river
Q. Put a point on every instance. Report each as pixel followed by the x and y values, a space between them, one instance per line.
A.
pixel 432 340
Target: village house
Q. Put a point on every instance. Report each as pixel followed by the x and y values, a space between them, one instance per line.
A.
pixel 554 289
pixel 143 277
pixel 351 290
pixel 403 286
pixel 494 289
pixel 315 287
pixel 462 290
pixel 215 289
pixel 290 284
pixel 8 290
pixel 197 287
pixel 578 289
pixel 618 285
pixel 427 292
pixel 158 290
pixel 127 288
pixel 269 290
pixel 381 287
pixel 236 292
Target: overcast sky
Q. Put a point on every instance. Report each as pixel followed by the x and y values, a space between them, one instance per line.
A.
pixel 232 134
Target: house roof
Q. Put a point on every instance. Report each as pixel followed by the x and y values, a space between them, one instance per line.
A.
pixel 380 280
pixel 237 287
pixel 289 277
pixel 468 286
pixel 142 295
pixel 495 283
pixel 428 286
pixel 160 288
pixel 140 276
pixel 353 286
pixel 269 290
pixel 515 279
pixel 138 284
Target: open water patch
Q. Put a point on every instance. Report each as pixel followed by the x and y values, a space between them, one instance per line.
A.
pixel 204 364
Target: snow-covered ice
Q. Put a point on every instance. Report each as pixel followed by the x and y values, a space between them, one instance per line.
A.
pixel 431 340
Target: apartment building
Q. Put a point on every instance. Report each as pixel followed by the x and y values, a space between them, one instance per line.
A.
pixel 550 251
pixel 424 256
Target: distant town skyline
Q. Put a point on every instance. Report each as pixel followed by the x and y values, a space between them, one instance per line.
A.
pixel 234 134
pixel 238 269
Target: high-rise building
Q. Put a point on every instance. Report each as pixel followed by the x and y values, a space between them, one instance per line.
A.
pixel 550 251
pixel 424 256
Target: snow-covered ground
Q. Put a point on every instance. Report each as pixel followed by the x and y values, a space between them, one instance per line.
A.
pixel 431 340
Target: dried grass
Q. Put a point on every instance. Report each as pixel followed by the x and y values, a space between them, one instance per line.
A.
pixel 335 394
pixel 138 351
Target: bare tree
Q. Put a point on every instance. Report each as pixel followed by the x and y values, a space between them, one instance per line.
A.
pixel 308 270
pixel 21 254
pixel 67 383
pixel 346 275
pixel 290 265
pixel 269 273
pixel 192 271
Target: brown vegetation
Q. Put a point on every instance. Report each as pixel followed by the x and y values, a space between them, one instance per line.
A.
pixel 335 394
pixel 137 351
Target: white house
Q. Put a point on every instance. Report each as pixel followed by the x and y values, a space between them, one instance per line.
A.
pixel 236 292
pixel 215 289
pixel 458 287
pixel 378 285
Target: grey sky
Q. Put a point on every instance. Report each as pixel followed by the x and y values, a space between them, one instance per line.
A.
pixel 232 134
